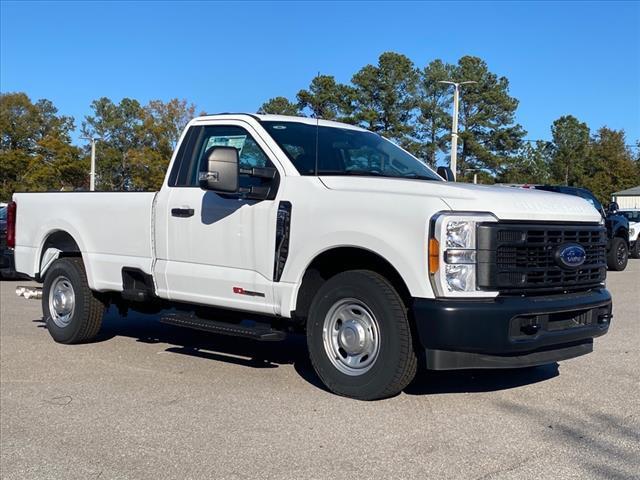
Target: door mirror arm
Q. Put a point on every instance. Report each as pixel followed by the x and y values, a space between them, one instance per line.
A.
pixel 260 172
pixel 255 193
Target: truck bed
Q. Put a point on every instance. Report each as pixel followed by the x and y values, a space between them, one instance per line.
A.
pixel 111 229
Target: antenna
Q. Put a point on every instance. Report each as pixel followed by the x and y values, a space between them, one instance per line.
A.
pixel 317 135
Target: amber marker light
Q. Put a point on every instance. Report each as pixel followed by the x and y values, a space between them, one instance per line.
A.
pixel 434 255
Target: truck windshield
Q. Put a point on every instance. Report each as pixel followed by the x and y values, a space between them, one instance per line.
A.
pixel 345 151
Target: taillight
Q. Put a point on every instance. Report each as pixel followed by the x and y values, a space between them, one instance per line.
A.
pixel 11 225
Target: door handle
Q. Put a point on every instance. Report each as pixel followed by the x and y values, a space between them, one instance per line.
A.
pixel 182 212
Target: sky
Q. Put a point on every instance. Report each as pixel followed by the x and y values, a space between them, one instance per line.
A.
pixel 579 58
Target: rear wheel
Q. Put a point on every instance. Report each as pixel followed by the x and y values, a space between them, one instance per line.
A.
pixel 72 312
pixel 359 337
pixel 618 255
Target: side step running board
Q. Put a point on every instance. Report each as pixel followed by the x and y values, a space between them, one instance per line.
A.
pixel 257 331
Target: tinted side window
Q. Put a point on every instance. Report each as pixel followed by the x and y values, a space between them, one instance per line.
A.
pixel 202 139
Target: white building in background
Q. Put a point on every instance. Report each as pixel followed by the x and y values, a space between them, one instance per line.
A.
pixel 629 198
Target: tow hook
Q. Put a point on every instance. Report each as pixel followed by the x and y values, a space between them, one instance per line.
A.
pixel 30 293
pixel 530 329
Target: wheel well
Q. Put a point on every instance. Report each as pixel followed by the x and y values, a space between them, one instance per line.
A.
pixel 622 233
pixel 338 260
pixel 63 242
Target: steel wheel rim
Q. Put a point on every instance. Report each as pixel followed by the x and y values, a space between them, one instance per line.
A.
pixel 62 301
pixel 351 337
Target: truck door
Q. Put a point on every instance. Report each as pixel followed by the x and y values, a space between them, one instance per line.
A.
pixel 216 249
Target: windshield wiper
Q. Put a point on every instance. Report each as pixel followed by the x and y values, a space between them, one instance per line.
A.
pixel 415 176
pixel 359 173
pixel 370 173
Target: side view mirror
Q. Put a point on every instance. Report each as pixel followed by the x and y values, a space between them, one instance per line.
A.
pixel 446 173
pixel 222 170
pixel 613 207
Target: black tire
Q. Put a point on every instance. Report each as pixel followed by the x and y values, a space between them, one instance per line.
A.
pixel 395 364
pixel 635 251
pixel 85 318
pixel 618 255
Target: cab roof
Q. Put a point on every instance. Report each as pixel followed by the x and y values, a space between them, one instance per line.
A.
pixel 280 118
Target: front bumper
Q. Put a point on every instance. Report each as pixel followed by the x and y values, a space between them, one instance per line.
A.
pixel 508 332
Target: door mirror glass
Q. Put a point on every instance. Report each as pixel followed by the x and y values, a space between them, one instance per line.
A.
pixel 446 173
pixel 222 170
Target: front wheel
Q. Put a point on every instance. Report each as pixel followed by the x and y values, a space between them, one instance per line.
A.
pixel 359 336
pixel 72 312
pixel 635 251
pixel 618 255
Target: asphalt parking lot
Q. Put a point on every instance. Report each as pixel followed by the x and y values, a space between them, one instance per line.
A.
pixel 153 401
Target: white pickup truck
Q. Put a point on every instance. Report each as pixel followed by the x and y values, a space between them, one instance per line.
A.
pixel 328 229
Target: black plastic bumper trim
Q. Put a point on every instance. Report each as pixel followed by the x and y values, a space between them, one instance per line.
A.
pixel 510 328
pixel 447 360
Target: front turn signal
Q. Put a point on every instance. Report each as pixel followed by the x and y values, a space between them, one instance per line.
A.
pixel 434 255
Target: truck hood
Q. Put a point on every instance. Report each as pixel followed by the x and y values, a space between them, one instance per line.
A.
pixel 504 202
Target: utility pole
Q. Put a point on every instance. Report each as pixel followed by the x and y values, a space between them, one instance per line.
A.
pixel 92 175
pixel 454 127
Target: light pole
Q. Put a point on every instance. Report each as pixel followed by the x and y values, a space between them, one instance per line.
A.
pixel 92 175
pixel 475 173
pixel 454 127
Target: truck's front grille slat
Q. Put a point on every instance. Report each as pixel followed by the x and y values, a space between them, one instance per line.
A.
pixel 523 257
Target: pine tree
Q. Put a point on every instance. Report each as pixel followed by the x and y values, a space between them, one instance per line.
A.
pixel 609 165
pixel 570 149
pixel 488 132
pixel 385 97
pixel 327 99
pixel 434 103
pixel 279 106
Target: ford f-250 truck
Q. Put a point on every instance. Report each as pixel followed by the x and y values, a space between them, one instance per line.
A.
pixel 331 230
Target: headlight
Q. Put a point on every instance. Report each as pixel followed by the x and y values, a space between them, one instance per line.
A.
pixel 453 254
pixel 632 232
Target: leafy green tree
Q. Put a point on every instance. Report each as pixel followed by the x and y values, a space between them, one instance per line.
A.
pixel 279 106
pixel 609 165
pixel 434 103
pixel 488 131
pixel 35 147
pixel 119 130
pixel 327 99
pixel 162 125
pixel 135 142
pixel 571 139
pixel 385 97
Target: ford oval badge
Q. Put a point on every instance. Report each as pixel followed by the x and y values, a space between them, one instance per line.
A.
pixel 570 255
